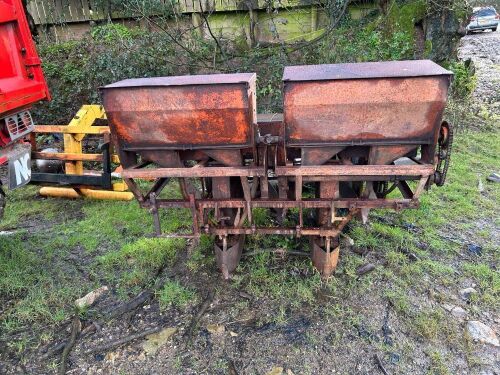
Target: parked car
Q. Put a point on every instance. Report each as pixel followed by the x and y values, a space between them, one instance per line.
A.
pixel 483 19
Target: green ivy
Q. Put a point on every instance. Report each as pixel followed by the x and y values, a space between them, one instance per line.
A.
pixel 464 80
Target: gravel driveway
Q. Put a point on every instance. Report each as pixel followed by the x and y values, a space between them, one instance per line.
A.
pixel 483 49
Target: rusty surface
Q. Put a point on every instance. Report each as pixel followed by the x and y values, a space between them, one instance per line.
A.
pixel 357 170
pixel 325 261
pixel 332 151
pixel 368 70
pixel 324 170
pixel 369 103
pixel 229 255
pixel 306 203
pixel 192 112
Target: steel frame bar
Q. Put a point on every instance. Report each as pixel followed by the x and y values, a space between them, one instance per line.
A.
pixel 194 172
pixel 102 180
pixel 277 203
pixel 361 171
pixel 356 170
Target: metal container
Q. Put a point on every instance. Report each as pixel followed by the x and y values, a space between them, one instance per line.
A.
pixel 343 128
pixel 376 103
pixel 182 113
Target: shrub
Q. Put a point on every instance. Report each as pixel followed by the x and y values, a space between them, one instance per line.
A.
pixel 464 80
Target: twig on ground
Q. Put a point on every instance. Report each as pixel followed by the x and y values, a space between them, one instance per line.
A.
pixel 130 305
pixel 91 328
pixel 364 269
pixel 75 330
pixel 54 350
pixel 124 340
pixel 203 308
pixel 231 367
pixel 380 365
pixel 62 344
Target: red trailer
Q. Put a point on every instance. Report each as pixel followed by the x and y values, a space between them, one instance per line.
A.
pixel 21 85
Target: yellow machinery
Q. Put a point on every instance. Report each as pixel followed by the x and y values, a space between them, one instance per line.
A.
pixel 75 181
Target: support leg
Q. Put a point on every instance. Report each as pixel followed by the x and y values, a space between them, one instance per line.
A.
pixel 228 248
pixel 325 255
pixel 228 253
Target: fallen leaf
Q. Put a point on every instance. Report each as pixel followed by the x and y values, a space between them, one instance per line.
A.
pixel 156 340
pixel 216 329
pixel 234 334
pixel 276 371
pixel 111 356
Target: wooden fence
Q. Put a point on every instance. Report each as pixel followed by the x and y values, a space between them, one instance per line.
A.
pixel 296 19
pixel 48 12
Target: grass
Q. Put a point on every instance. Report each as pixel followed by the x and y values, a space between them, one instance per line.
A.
pixel 136 264
pixel 23 206
pixel 488 280
pixel 429 324
pixel 438 365
pixel 41 294
pixel 174 294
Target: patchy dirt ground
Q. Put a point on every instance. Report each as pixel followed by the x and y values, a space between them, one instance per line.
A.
pixel 436 273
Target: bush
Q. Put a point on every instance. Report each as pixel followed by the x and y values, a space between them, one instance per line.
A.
pixel 111 32
pixel 75 70
pixel 464 80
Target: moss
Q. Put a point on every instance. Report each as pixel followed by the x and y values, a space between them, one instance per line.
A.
pixel 427 48
pixel 403 17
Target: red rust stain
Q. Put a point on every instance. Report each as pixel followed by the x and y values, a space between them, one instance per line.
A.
pixel 184 116
pixel 363 110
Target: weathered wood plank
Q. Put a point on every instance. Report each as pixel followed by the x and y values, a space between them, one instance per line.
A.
pixel 85 10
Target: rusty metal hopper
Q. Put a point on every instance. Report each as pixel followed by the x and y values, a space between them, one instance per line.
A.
pixel 343 128
pixel 383 103
pixel 185 112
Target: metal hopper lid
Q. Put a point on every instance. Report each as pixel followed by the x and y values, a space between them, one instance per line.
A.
pixel 382 69
pixel 202 79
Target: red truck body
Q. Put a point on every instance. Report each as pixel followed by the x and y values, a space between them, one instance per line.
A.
pixel 21 85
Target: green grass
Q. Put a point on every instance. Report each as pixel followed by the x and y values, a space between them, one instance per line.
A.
pixel 488 280
pixel 438 365
pixel 41 294
pixel 39 274
pixel 202 255
pixel 174 294
pixel 135 265
pixel 429 324
pixel 475 155
pixel 399 300
pixel 23 205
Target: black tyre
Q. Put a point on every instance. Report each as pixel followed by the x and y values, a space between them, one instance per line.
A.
pixel 3 200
